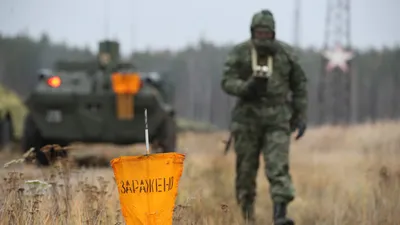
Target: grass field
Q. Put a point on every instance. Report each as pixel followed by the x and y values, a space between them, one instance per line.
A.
pixel 343 176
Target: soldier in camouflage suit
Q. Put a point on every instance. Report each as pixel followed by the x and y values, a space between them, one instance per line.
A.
pixel 263 118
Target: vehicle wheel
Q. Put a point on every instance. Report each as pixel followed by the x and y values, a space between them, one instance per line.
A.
pixel 31 137
pixel 6 133
pixel 167 138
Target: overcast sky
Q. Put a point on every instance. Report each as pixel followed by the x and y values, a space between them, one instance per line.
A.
pixel 175 23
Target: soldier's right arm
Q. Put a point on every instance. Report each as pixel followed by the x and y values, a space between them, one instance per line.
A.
pixel 231 82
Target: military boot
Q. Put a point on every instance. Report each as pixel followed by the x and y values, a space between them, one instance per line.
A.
pixel 248 215
pixel 250 221
pixel 280 215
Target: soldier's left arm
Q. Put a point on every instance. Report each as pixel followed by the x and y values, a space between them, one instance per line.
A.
pixel 298 86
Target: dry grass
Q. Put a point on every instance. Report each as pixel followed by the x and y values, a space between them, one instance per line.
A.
pixel 342 175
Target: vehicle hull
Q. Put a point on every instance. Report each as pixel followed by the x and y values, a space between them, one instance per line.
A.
pixel 93 118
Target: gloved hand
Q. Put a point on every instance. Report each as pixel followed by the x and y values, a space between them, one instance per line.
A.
pixel 298 125
pixel 256 87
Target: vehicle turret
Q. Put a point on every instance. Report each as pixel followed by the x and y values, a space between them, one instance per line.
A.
pixel 108 55
pixel 108 59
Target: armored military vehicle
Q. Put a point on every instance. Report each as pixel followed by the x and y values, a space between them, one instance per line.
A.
pixel 99 101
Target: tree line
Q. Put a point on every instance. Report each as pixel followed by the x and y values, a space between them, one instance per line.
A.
pixel 195 74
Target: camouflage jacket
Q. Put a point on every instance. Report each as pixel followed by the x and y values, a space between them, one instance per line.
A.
pixel 287 78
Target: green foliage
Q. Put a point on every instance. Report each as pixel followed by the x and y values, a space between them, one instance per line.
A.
pixel 195 74
pixel 21 57
pixel 12 105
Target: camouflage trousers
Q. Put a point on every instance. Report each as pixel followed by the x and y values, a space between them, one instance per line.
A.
pixel 273 143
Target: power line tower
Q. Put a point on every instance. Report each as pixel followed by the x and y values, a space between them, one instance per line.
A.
pixel 336 83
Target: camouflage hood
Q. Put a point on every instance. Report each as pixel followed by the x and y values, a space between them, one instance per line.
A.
pixel 265 20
